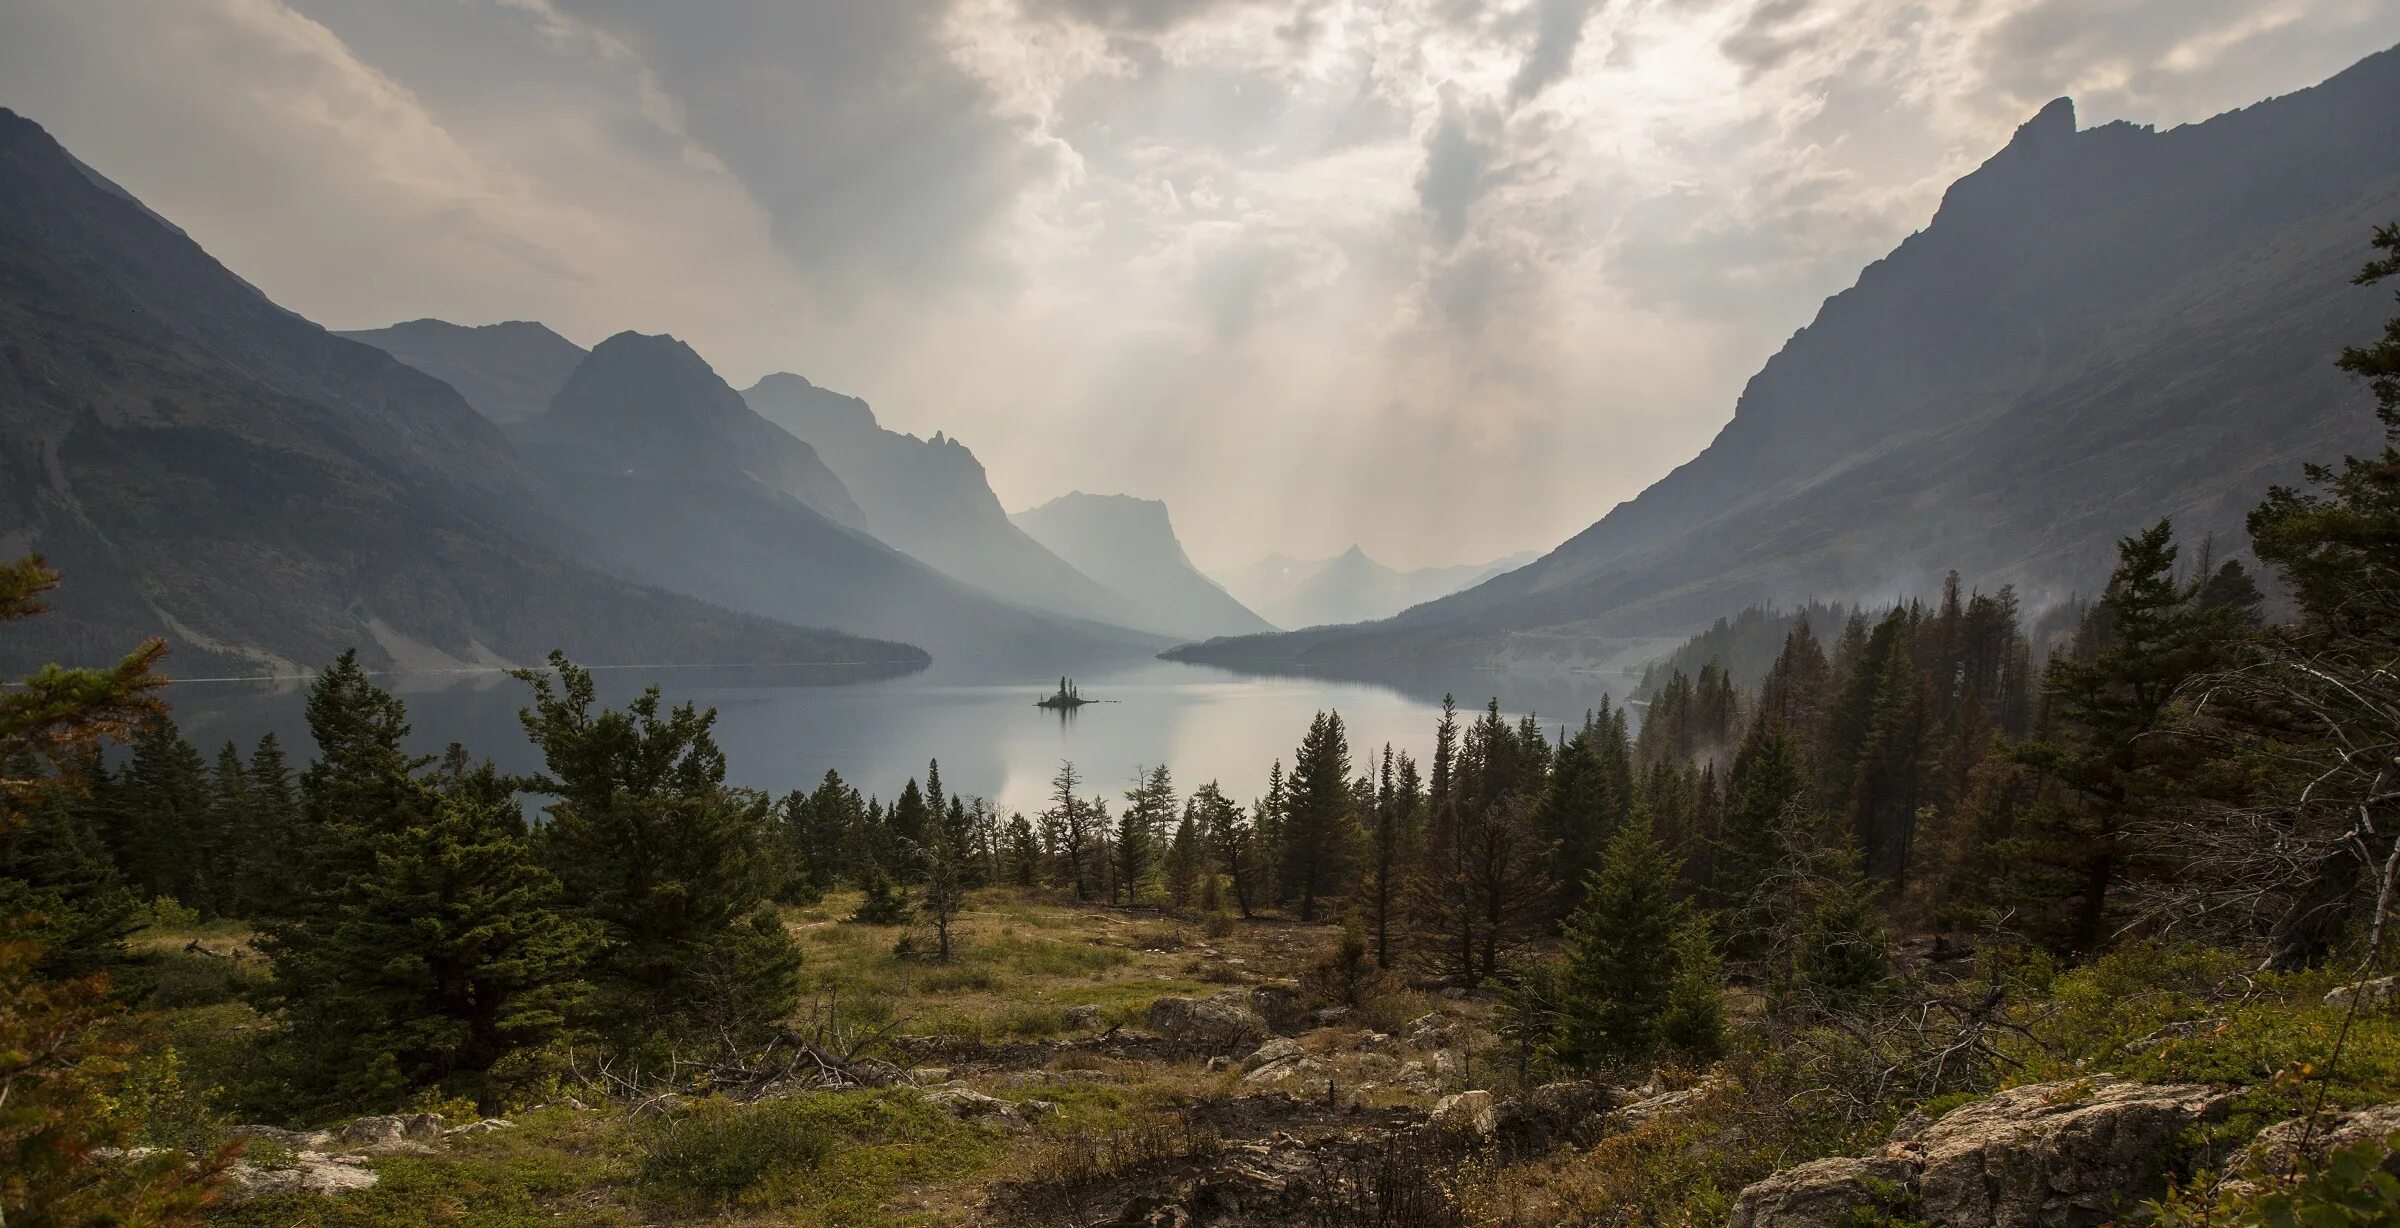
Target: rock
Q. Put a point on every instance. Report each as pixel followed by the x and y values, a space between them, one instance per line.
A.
pixel 1649 1102
pixel 2071 1155
pixel 1277 1001
pixel 1223 1022
pixel 2277 1146
pixel 1083 1018
pixel 1427 1031
pixel 967 1104
pixel 2371 995
pixel 309 1173
pixel 1036 1110
pixel 1467 1113
pixel 2185 1030
pixel 1329 1016
pixel 927 1076
pixel 1280 1049
pixel 1296 1067
pixel 295 1140
pixel 486 1126
pixel 394 1132
pixel 1833 1193
pixel 1219 1063
pixel 1552 1115
pixel 1372 1042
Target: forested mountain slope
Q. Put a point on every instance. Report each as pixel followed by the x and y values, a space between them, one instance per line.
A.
pixel 205 465
pixel 1130 545
pixel 2097 328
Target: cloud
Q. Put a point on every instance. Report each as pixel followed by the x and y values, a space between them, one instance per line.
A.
pixel 1445 277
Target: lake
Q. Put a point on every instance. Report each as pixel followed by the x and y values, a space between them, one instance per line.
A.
pixel 781 733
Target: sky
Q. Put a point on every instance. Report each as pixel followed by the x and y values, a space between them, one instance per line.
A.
pixel 1444 278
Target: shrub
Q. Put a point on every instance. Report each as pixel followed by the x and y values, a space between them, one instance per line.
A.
pixel 718 1152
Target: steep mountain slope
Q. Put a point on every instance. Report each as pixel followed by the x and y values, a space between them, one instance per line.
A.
pixel 930 499
pixel 684 487
pixel 610 410
pixel 204 465
pixel 2097 329
pixel 1350 587
pixel 507 371
pixel 1130 545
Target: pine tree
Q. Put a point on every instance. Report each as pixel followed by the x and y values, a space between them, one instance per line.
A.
pixel 1885 790
pixel 56 878
pixel 910 821
pixel 949 867
pixel 653 846
pixel 1840 945
pixel 162 839
pixel 1622 958
pixel 1319 827
pixel 446 965
pixel 1067 827
pixel 1022 852
pixel 1148 806
pixel 1233 842
pixel 2147 636
pixel 1769 806
pixel 1394 819
pixel 1185 863
pixel 275 858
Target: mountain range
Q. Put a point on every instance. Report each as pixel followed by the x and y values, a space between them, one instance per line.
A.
pixel 2098 326
pixel 1349 587
pixel 205 466
pixel 1129 545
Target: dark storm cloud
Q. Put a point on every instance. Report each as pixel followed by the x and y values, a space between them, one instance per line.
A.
pixel 1558 31
pixel 872 152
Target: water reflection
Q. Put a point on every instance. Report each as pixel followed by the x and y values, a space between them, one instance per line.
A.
pixel 783 729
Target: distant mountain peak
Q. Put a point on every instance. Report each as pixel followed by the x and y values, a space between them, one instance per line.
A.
pixel 2054 122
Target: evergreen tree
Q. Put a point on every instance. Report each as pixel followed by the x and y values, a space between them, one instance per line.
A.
pixel 1885 789
pixel 1148 806
pixel 1625 950
pixel 1233 841
pixel 445 966
pixel 910 824
pixel 1840 945
pixel 1185 863
pixel 1394 818
pixel 162 838
pixel 2147 636
pixel 949 868
pixel 62 1041
pixel 654 848
pixel 1767 809
pixel 1319 827
pixel 275 857
pixel 57 881
pixel 1022 852
pixel 1068 829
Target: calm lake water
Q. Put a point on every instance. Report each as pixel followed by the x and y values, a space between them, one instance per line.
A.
pixel 780 733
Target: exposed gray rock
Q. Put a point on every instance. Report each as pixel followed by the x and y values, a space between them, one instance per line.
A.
pixel 1824 1193
pixel 393 1132
pixel 1083 1018
pixel 1222 1022
pixel 2055 1155
pixel 2376 994
pixel 2277 1146
pixel 1280 1049
pixel 308 1173
pixel 967 1104
pixel 1467 1113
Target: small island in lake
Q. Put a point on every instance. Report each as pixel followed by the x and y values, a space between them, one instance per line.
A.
pixel 1067 697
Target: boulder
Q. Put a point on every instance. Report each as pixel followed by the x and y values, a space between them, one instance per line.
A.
pixel 1280 1049
pixel 393 1132
pixel 486 1126
pixel 1083 1018
pixel 309 1173
pixel 2278 1146
pixel 1835 1193
pixel 2371 995
pixel 1223 1022
pixel 967 1104
pixel 1552 1115
pixel 1301 1067
pixel 1465 1113
pixel 2070 1154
